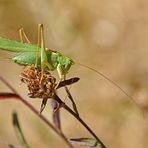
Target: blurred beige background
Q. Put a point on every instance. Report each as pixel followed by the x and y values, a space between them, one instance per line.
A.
pixel 110 36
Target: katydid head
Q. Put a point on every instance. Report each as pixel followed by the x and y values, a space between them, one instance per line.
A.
pixel 68 64
pixel 65 63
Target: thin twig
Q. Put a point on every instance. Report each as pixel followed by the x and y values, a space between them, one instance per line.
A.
pixel 72 100
pixel 79 119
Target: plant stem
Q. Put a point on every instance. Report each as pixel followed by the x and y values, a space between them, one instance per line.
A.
pixel 72 100
pixel 18 130
pixel 35 111
pixel 79 119
pixel 56 114
pixel 62 104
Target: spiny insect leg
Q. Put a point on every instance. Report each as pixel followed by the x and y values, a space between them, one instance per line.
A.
pixel 23 34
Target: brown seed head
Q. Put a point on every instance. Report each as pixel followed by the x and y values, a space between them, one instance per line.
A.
pixel 38 87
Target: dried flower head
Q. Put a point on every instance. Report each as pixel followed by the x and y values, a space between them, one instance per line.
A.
pixel 38 87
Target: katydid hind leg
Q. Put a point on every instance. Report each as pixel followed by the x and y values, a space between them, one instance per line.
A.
pixel 38 46
pixel 22 35
pixel 43 53
pixel 41 43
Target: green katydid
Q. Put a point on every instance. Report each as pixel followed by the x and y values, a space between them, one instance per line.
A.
pixel 28 54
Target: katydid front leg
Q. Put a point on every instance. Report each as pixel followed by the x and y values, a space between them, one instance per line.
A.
pixel 61 75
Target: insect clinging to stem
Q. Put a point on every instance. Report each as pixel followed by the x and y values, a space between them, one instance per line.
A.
pixel 45 58
pixel 29 54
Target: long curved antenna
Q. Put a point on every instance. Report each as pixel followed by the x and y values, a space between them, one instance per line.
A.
pixel 111 81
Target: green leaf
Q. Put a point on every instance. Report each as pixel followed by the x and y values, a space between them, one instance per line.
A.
pixel 18 131
pixel 90 142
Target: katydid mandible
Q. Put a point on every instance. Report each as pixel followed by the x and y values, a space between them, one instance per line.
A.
pixel 29 54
